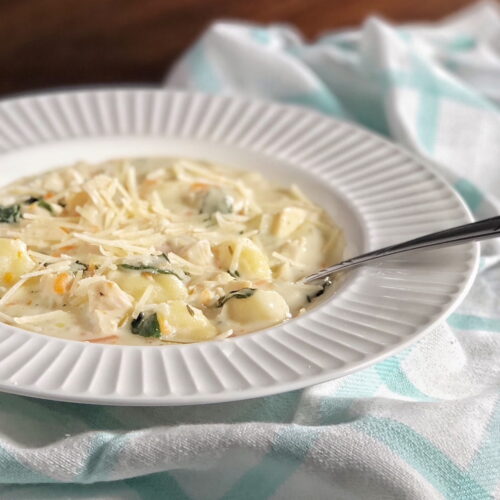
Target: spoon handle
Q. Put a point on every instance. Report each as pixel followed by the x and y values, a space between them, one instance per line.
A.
pixel 483 229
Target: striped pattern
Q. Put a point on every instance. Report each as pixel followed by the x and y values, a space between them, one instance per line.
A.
pixel 422 424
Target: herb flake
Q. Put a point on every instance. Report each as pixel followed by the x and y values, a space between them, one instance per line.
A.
pixel 31 200
pixel 147 269
pixel 234 274
pixel 42 203
pixel 146 326
pixel 79 266
pixel 326 283
pixel 243 293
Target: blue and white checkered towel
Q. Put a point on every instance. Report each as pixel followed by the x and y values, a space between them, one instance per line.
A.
pixel 424 424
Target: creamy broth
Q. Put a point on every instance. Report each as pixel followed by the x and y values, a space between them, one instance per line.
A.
pixel 157 251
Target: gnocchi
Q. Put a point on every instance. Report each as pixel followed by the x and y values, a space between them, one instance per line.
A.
pixel 163 287
pixel 244 258
pixel 264 307
pixel 14 260
pixel 180 322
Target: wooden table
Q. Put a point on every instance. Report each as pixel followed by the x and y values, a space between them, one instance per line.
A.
pixel 56 43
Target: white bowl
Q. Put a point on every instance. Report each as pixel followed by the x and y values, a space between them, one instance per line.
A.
pixel 376 192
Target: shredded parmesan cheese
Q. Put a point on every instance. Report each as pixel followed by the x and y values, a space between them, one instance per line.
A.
pixel 38 318
pixel 11 291
pixel 158 250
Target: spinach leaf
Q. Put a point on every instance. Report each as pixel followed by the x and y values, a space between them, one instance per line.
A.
pixel 42 203
pixel 326 283
pixel 146 326
pixel 31 200
pixel 147 269
pixel 216 200
pixel 10 214
pixel 243 293
pixel 79 266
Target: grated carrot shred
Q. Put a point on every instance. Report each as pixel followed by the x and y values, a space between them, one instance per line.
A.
pixel 198 186
pixel 61 283
pixel 9 278
pixel 61 250
pixel 102 339
pixel 67 248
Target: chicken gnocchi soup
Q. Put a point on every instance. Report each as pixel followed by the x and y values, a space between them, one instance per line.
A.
pixel 158 251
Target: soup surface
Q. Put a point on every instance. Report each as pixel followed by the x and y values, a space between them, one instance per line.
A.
pixel 157 251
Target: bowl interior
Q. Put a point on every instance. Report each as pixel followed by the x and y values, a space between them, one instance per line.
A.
pixel 375 192
pixel 37 159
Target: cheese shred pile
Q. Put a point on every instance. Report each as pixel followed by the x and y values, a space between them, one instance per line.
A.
pixel 158 250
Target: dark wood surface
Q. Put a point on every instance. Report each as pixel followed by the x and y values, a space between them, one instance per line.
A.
pixel 56 43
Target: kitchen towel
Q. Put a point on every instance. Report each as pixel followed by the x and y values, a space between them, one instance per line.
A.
pixel 424 424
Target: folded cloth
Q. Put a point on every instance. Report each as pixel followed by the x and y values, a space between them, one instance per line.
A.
pixel 422 424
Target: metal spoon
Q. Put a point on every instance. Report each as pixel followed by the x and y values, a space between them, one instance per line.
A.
pixel 483 229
